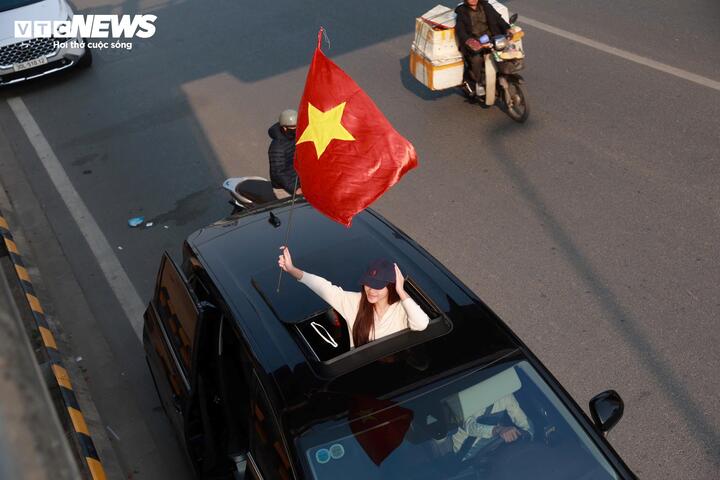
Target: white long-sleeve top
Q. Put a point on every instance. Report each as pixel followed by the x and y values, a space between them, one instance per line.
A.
pixel 398 316
pixel 508 403
pixel 481 431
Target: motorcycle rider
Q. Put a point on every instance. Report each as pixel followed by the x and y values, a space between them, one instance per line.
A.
pixel 281 154
pixel 476 18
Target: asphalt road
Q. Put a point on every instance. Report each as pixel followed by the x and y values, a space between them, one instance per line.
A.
pixel 592 229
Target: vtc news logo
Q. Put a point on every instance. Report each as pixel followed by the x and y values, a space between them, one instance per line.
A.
pixel 89 26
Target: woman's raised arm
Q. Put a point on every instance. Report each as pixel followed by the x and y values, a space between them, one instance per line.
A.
pixel 346 303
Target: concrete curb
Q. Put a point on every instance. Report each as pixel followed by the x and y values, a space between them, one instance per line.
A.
pixel 75 416
pixel 33 440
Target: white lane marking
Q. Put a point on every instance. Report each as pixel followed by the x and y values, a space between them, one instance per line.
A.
pixel 109 264
pixel 662 67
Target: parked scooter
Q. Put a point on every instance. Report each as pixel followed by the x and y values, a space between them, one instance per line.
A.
pixel 504 57
pixel 248 192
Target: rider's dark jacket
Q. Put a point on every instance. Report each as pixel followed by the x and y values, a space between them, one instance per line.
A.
pixel 463 27
pixel 281 153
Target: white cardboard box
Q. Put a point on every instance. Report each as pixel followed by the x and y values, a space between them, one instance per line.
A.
pixel 436 74
pixel 441 16
pixel 435 44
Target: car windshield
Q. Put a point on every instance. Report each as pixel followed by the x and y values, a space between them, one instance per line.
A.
pixel 497 422
pixel 11 4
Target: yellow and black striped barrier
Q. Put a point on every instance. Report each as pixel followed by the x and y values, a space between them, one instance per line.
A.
pixel 80 429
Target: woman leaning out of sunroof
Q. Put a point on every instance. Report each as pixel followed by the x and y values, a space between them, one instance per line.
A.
pixel 381 307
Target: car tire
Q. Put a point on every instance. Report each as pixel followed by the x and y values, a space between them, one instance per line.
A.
pixel 86 60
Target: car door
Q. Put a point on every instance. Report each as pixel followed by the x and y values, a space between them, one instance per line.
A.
pixel 171 321
pixel 268 453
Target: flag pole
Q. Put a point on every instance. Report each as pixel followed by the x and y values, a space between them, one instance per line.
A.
pixel 321 32
pixel 287 231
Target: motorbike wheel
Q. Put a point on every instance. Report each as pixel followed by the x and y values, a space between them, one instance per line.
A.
pixel 517 108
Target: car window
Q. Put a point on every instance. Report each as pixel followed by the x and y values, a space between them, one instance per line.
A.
pixel 11 4
pixel 265 442
pixel 177 310
pixel 457 430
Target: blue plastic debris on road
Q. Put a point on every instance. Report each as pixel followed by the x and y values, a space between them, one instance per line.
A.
pixel 136 221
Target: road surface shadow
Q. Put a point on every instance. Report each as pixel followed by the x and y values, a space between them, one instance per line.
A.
pixel 628 326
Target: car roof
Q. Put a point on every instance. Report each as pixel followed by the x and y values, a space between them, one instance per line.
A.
pixel 240 255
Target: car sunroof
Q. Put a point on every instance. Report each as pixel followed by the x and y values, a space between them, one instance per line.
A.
pixel 342 264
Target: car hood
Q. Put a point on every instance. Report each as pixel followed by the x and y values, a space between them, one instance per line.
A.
pixel 45 10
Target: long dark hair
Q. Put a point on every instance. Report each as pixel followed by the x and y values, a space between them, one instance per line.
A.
pixel 365 319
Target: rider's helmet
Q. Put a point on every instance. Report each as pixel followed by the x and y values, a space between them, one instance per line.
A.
pixel 288 118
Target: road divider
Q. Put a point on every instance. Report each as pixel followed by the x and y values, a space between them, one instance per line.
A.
pixel 70 403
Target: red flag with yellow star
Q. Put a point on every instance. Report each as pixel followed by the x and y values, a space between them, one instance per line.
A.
pixel 347 153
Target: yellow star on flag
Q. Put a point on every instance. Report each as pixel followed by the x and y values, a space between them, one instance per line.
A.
pixel 324 127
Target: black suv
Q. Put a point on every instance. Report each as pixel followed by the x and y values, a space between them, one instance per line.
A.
pixel 261 383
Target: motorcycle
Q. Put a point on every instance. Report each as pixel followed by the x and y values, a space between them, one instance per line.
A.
pixel 503 58
pixel 248 192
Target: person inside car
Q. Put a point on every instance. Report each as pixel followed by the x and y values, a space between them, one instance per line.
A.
pixel 476 18
pixel 381 307
pixel 504 420
pixel 282 153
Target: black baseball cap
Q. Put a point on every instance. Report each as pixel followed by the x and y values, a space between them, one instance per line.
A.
pixel 379 273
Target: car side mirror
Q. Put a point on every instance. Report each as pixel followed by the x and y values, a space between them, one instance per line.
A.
pixel 606 409
pixel 513 18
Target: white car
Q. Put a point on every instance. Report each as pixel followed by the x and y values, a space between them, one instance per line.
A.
pixel 22 58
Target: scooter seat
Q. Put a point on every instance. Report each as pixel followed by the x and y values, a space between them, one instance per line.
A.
pixel 257 191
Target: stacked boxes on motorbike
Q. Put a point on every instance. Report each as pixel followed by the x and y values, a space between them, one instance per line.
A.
pixel 435 59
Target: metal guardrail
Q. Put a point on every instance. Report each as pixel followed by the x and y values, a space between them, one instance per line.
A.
pixel 72 408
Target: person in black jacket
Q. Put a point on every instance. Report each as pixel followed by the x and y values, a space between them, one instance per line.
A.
pixel 281 154
pixel 476 18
